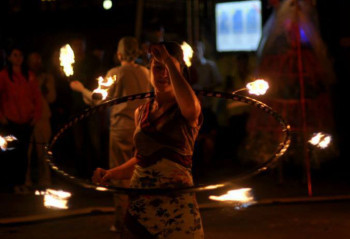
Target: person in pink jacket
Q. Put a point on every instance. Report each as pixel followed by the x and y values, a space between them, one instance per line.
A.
pixel 20 109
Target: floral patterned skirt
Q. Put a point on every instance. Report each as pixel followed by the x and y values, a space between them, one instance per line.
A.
pixel 165 216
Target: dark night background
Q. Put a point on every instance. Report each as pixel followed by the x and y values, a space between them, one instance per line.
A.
pixel 283 209
pixel 45 25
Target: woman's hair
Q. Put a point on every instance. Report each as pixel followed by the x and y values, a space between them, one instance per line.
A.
pixel 175 51
pixel 24 67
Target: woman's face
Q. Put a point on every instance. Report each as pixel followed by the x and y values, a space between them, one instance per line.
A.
pixel 160 77
pixel 16 57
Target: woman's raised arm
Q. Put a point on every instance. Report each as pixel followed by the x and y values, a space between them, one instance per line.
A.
pixel 185 96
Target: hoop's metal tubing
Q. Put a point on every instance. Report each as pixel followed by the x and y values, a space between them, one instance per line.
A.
pixel 280 150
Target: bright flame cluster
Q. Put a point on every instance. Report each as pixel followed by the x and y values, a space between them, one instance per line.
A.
pixel 242 195
pixel 188 53
pixel 4 142
pixel 257 87
pixel 55 198
pixel 103 85
pixel 67 59
pixel 320 140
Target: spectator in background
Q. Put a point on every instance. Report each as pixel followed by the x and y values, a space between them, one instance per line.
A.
pixel 61 107
pixel 209 77
pixel 87 69
pixel 88 133
pixel 42 129
pixel 206 77
pixel 98 52
pixel 154 33
pixel 20 110
pixel 144 57
pixel 131 79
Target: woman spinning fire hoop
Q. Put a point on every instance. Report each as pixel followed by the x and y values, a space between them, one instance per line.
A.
pixel 166 129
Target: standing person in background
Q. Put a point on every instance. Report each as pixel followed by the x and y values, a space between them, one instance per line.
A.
pixel 87 134
pixel 42 129
pixel 207 77
pixel 61 107
pixel 237 113
pixel 99 53
pixel 131 79
pixel 154 33
pixel 20 110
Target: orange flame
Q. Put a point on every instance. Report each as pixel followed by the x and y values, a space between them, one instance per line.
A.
pixel 55 198
pixel 257 87
pixel 242 195
pixel 67 59
pixel 320 140
pixel 188 53
pixel 103 85
pixel 4 142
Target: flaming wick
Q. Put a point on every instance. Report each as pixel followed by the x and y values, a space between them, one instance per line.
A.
pixel 242 195
pixel 257 87
pixel 55 198
pixel 67 59
pixel 188 53
pixel 4 141
pixel 103 86
pixel 320 140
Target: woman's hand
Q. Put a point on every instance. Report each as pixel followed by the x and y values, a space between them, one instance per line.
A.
pixel 76 86
pixel 101 176
pixel 160 53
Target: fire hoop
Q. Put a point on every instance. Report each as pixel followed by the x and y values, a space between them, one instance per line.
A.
pixel 280 151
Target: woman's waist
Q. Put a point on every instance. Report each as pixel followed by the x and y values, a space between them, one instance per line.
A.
pixel 164 173
pixel 164 153
pixel 150 145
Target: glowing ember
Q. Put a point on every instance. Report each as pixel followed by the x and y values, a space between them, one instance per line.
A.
pixel 214 186
pixel 103 86
pixel 258 87
pixel 67 59
pixel 320 140
pixel 101 189
pixel 242 195
pixel 188 53
pixel 55 198
pixel 4 142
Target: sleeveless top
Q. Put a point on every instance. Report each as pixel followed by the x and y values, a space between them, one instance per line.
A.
pixel 169 136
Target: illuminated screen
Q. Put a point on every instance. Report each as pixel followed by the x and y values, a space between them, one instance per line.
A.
pixel 238 26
